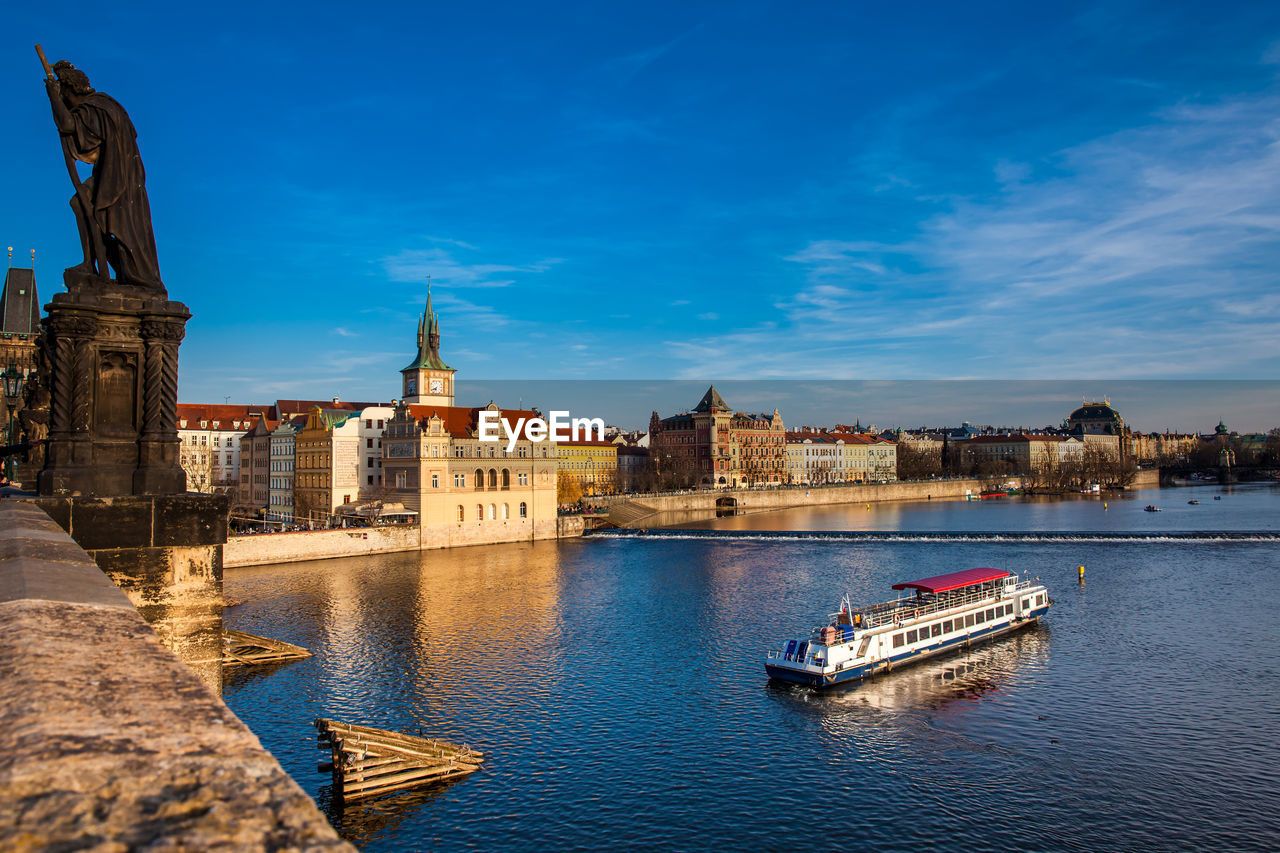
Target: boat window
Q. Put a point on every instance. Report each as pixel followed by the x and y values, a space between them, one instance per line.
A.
pixel 802 650
pixel 946 627
pixel 968 620
pixel 979 617
pixel 937 629
pixel 791 650
pixel 991 614
pixel 897 640
pixel 911 636
pixel 1039 600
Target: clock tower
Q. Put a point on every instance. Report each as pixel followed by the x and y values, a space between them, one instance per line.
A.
pixel 428 381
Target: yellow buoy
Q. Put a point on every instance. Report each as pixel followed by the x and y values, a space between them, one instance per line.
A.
pixel 1080 570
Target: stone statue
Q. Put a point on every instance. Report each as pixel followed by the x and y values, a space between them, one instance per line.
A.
pixel 111 207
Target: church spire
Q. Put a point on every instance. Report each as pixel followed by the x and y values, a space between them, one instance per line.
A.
pixel 428 339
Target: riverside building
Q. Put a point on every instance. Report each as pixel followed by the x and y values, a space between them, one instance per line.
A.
pixel 716 447
pixel 464 490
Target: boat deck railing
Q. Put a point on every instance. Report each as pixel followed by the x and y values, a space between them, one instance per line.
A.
pixel 906 608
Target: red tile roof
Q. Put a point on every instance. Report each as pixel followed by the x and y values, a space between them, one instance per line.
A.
pixel 462 422
pixel 219 416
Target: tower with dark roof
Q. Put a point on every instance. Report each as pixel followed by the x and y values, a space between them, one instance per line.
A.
pixel 427 380
pixel 19 320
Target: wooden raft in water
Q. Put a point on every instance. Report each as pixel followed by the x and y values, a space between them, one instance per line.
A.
pixel 367 762
pixel 241 648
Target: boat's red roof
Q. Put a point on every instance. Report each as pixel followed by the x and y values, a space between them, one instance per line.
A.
pixel 955 580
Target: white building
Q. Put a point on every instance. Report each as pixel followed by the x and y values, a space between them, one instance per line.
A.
pixel 209 444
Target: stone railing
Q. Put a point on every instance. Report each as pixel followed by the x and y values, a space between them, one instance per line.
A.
pixel 107 740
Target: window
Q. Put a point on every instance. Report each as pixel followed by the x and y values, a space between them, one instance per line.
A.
pixel 368 442
pixel 506 478
pixel 459 481
pixel 911 636
pixel 370 461
pixel 402 481
pixel 506 511
pixel 1039 600
pixel 479 512
pixel 435 481
pixel 370 479
pixel 479 479
pixel 379 423
pixel 457 451
pixel 991 614
pixel 522 478
pixel 897 641
pixel 368 423
pixel 968 621
pixel 946 627
pixel 217 441
pixel 493 479
pixel 493 512
pixel 460 513
pixel 980 617
pixel 524 510
pixel 936 629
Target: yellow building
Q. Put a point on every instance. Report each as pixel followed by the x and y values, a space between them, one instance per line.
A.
pixel 593 464
pixel 465 490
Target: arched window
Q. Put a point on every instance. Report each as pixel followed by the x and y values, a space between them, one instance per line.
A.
pixel 506 512
pixel 493 512
pixel 479 480
pixel 524 510
pixel 479 512
pixel 506 478
pixel 461 513
pixel 493 479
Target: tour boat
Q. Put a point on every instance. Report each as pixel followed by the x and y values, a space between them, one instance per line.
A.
pixel 946 612
pixel 1193 501
pixel 1151 508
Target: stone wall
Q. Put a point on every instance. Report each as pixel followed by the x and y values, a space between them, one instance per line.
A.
pixel 165 552
pixel 751 499
pixel 264 548
pixel 107 740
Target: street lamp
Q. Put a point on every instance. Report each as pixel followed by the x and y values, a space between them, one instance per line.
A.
pixel 12 394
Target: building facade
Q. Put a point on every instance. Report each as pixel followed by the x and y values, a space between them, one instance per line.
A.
pixel 464 491
pixel 209 445
pixel 716 447
pixel 593 464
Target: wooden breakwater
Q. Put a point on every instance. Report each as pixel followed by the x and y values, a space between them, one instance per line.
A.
pixel 367 762
pixel 240 648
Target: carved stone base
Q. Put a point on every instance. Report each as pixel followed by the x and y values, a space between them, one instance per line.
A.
pixel 113 352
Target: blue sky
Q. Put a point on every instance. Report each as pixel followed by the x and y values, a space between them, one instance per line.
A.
pixel 703 191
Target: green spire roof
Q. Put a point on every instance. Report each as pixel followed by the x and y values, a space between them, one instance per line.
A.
pixel 428 341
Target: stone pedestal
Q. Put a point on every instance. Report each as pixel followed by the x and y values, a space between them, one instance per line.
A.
pixel 113 353
pixel 165 552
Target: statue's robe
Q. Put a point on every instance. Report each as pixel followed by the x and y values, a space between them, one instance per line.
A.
pixel 104 135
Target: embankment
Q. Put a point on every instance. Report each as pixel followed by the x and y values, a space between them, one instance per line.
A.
pixel 298 546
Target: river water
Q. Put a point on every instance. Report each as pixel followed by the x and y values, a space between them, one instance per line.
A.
pixel 616 683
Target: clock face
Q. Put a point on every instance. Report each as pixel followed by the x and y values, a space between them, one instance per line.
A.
pixel 437 387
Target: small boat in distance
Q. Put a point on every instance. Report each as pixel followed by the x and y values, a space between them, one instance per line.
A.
pixel 1151 508
pixel 946 612
pixel 1193 501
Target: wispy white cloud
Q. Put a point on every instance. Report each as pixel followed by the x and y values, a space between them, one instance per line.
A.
pixel 1148 252
pixel 416 264
pixel 343 332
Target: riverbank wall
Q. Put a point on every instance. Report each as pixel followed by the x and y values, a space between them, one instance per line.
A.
pixel 108 740
pixel 638 510
pixel 297 546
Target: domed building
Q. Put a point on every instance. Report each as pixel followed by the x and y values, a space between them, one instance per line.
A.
pixel 1096 418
